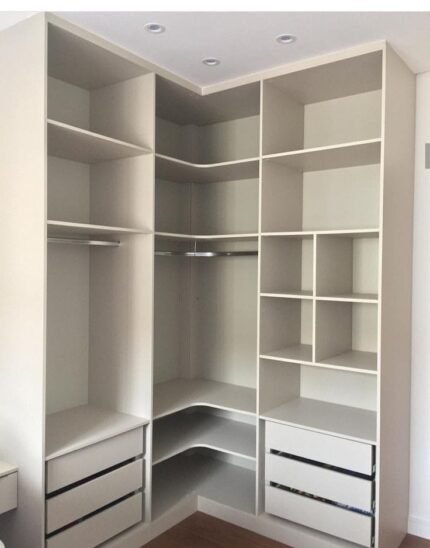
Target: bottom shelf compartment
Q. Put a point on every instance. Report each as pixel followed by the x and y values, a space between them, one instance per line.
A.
pixel 201 473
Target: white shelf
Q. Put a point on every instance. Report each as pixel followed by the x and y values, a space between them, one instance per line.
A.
pixel 351 233
pixel 350 298
pixel 340 420
pixel 298 353
pixel 357 153
pixel 75 428
pixel 6 469
pixel 202 430
pixel 190 475
pixel 354 360
pixel 179 394
pixel 180 171
pixel 302 294
pixel 81 145
pixel 65 228
pixel 206 237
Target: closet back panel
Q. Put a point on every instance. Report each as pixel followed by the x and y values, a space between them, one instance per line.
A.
pixel 172 207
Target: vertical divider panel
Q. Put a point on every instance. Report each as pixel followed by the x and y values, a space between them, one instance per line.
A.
pixel 314 303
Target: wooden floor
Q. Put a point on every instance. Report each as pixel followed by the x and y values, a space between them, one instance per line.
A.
pixel 203 531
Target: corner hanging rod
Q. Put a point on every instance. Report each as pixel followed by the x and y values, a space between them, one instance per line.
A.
pixel 205 254
pixel 79 241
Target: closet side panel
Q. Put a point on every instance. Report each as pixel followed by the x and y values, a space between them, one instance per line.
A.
pixel 395 320
pixel 22 273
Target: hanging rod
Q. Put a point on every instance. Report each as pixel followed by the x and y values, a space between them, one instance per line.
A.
pixel 206 254
pixel 78 241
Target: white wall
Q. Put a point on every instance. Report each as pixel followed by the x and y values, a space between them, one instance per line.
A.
pixel 419 513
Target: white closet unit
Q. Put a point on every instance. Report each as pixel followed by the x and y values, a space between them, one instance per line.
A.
pixel 206 295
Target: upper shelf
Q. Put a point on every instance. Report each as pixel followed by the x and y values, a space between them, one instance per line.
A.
pixel 206 237
pixel 173 396
pixel 75 428
pixel 353 154
pixel 180 171
pixel 81 145
pixel 344 421
pixel 65 228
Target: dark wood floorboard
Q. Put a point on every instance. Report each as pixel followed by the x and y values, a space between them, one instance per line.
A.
pixel 203 531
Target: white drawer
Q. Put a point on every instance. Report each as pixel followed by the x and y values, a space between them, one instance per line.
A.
pixel 340 452
pixel 92 495
pixel 319 515
pixel 83 463
pixel 321 482
pixel 101 527
pixel 8 492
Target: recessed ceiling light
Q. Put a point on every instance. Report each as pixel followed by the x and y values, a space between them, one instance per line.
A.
pixel 286 38
pixel 155 28
pixel 211 61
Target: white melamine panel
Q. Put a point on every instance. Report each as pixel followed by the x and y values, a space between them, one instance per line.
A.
pixel 202 430
pixel 325 517
pixel 101 527
pixel 332 450
pixel 328 418
pixel 278 383
pixel 350 196
pixel 67 346
pixel 320 481
pixel 80 463
pixel 68 104
pixel 8 492
pixel 353 118
pixel 188 475
pixel 179 394
pixel 80 145
pixel 76 503
pixel 23 271
pixel 172 207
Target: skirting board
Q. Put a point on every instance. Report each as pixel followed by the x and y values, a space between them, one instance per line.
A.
pixel 419 527
pixel 264 524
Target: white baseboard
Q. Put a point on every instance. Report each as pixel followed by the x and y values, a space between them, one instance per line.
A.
pixel 419 527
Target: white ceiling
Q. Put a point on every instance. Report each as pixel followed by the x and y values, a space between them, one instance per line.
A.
pixel 245 41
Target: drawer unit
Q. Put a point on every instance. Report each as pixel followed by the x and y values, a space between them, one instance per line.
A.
pixel 80 464
pixel 8 492
pixel 324 448
pixel 320 482
pixel 327 518
pixel 100 527
pixel 80 501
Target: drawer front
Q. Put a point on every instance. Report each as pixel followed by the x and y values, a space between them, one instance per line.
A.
pixel 321 482
pixel 319 515
pixel 340 452
pixel 101 527
pixel 81 501
pixel 8 492
pixel 80 464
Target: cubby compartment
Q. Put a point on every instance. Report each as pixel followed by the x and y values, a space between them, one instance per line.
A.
pixel 331 401
pixel 286 329
pixel 287 266
pixel 321 197
pixel 323 106
pixel 209 129
pixel 347 335
pixel 347 267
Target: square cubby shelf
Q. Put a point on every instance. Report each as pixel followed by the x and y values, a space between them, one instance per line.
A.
pixel 286 328
pixel 287 266
pixel 346 335
pixel 347 267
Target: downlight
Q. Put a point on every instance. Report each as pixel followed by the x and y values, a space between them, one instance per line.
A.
pixel 211 61
pixel 286 38
pixel 154 28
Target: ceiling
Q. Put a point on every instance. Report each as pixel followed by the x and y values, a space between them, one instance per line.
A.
pixel 245 41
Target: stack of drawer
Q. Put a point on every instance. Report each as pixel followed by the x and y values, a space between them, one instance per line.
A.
pixel 96 492
pixel 320 481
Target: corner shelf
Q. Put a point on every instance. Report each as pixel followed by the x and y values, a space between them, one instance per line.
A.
pixel 79 427
pixel 202 430
pixel 66 228
pixel 340 420
pixel 181 171
pixel 81 145
pixel 179 394
pixel 352 154
pixel 205 237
